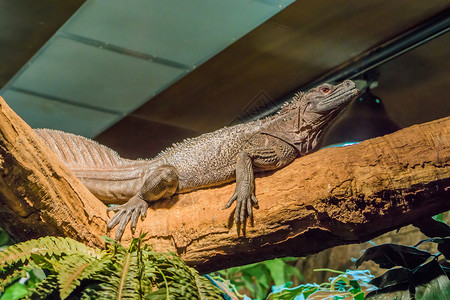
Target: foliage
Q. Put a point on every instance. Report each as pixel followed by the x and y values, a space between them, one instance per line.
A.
pixel 5 241
pixel 347 285
pixel 411 269
pixel 19 288
pixel 418 273
pixel 77 271
pixel 258 278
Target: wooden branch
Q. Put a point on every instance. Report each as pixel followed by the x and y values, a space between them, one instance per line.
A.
pixel 332 197
pixel 39 196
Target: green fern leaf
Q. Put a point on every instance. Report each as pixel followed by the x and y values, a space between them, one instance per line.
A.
pixel 121 276
pixel 8 278
pixel 44 289
pixel 205 289
pixel 175 279
pixel 46 246
pixel 73 269
pixel 116 273
pixel 95 291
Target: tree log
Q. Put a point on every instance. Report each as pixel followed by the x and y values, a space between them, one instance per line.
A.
pixel 332 197
pixel 39 196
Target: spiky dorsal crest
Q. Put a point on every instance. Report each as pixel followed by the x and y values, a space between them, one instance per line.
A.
pixel 291 105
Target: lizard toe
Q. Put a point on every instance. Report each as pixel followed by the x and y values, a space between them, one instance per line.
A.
pixel 238 212
pixel 249 209
pixel 255 201
pixel 232 199
pixel 143 212
pixel 243 212
pixel 115 220
pixel 123 223
pixel 134 218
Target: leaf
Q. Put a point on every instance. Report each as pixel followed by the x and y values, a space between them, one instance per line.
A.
pixel 330 295
pixel 44 289
pixel 361 278
pixel 290 293
pixel 160 294
pixel 438 288
pixel 4 239
pixel 263 282
pixel 277 269
pixel 392 277
pixel 392 281
pixel 426 273
pixel 444 247
pixel 15 291
pixel 432 228
pixel 439 217
pixel 116 273
pixel 73 269
pixel 51 246
pixel 123 276
pixel 391 255
pixel 12 275
pixel 205 289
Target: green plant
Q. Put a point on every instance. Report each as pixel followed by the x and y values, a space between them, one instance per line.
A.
pixel 21 287
pixel 347 285
pixel 258 278
pixel 5 241
pixel 77 271
pixel 411 269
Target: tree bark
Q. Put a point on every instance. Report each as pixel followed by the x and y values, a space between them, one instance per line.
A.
pixel 332 197
pixel 39 196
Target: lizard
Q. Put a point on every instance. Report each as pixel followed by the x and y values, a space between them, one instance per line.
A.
pixel 211 159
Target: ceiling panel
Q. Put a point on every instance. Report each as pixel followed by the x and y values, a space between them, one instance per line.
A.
pixel 41 112
pixel 91 76
pixel 25 26
pixel 113 55
pixel 187 32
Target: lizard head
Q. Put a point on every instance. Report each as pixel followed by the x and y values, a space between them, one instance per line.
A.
pixel 302 121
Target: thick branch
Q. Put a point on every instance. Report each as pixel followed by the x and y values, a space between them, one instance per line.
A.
pixel 334 196
pixel 38 195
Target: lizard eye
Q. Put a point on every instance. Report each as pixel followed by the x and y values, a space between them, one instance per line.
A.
pixel 325 90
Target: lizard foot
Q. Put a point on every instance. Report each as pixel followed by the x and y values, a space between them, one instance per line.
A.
pixel 244 207
pixel 131 210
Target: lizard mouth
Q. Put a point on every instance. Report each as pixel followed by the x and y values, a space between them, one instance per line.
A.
pixel 340 98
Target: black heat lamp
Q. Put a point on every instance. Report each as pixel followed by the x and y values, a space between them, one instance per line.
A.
pixel 366 118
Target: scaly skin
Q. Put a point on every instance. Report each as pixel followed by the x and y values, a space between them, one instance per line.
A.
pixel 231 153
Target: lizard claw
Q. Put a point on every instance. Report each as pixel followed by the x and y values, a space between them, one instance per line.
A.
pixel 244 207
pixel 232 199
pixel 131 210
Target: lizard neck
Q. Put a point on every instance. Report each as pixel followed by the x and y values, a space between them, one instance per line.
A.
pixel 302 137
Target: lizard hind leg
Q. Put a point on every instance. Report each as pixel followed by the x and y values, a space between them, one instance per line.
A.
pixel 160 183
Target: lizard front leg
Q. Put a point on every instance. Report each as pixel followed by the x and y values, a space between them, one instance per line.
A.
pixel 268 153
pixel 244 193
pixel 161 183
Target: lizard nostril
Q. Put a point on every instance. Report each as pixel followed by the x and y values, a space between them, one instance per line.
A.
pixel 348 83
